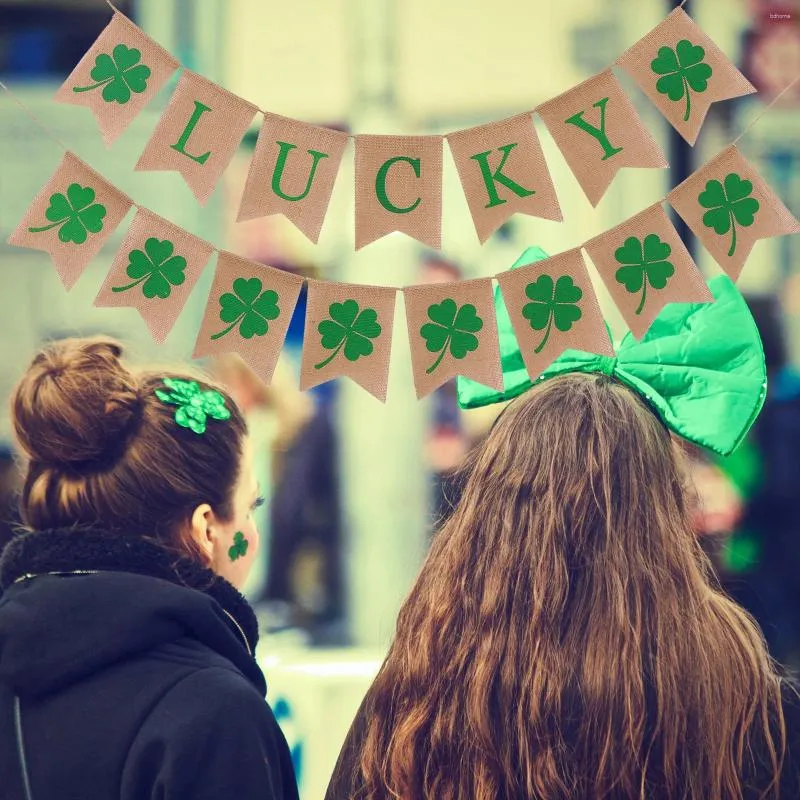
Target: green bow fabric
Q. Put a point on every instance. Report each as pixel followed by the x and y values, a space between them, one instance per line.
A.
pixel 700 365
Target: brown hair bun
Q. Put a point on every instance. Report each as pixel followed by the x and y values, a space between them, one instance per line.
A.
pixel 77 404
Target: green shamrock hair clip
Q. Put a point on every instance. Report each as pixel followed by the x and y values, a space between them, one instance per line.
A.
pixel 195 405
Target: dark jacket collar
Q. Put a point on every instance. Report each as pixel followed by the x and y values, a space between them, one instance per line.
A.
pixel 70 550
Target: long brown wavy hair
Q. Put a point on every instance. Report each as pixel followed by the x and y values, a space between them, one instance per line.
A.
pixel 565 637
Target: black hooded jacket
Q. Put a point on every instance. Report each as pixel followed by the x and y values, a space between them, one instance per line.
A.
pixel 134 677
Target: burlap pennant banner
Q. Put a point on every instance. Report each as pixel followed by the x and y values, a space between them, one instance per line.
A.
pixel 598 131
pixel 198 133
pixel 645 265
pixel 248 312
pixel 399 188
pixel 348 332
pixel 553 307
pixel 154 272
pixel 729 206
pixel 452 329
pixel 119 75
pixel 292 173
pixel 72 217
pixel 683 72
pixel 503 172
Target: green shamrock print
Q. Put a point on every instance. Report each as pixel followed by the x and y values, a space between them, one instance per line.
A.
pixel 349 328
pixel 239 547
pixel 77 214
pixel 728 205
pixel 453 326
pixel 643 263
pixel 195 404
pixel 118 74
pixel 552 303
pixel 248 307
pixel 682 70
pixel 157 267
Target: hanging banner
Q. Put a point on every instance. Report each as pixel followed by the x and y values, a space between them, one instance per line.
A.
pixel 452 330
pixel 72 217
pixel 348 332
pixel 553 307
pixel 503 172
pixel 598 130
pixel 729 207
pixel 198 133
pixel 154 272
pixel 248 312
pixel 683 72
pixel 399 188
pixel 645 265
pixel 119 75
pixel 293 171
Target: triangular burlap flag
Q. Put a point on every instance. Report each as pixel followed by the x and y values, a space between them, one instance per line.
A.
pixel 198 133
pixel 348 332
pixel 248 312
pixel 598 130
pixel 292 173
pixel 118 76
pixel 553 308
pixel 72 217
pixel 453 331
pixel 503 172
pixel 399 188
pixel 645 265
pixel 729 206
pixel 154 272
pixel 683 72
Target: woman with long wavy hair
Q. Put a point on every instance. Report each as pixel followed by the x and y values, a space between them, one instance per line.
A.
pixel 566 637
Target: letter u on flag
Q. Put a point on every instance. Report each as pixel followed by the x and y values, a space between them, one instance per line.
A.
pixel 683 72
pixel 118 76
pixel 598 130
pixel 503 171
pixel 399 188
pixel 72 217
pixel 293 171
pixel 198 133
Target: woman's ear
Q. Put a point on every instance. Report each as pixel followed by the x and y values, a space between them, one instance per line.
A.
pixel 201 529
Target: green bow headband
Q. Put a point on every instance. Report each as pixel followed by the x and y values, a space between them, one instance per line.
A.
pixel 700 365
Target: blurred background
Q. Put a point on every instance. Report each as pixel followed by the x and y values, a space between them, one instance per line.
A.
pixel 355 488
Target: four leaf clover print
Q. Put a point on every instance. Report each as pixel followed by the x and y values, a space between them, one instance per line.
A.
pixel 77 214
pixel 119 74
pixel 248 307
pixel 451 328
pixel 348 328
pixel 728 205
pixel 156 267
pixel 683 71
pixel 239 547
pixel 195 404
pixel 552 303
pixel 644 262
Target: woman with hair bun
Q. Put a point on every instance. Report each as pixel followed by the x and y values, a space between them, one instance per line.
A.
pixel 127 664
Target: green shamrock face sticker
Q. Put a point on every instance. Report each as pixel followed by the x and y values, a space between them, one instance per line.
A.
pixel 644 262
pixel 683 69
pixel 728 206
pixel 239 547
pixel 453 326
pixel 552 303
pixel 195 405
pixel 249 308
pixel 348 328
pixel 157 267
pixel 119 75
pixel 77 214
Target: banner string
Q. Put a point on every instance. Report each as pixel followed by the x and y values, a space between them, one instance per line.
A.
pixel 768 107
pixel 33 116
